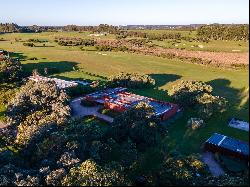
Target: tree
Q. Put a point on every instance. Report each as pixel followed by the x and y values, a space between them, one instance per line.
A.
pixel 138 124
pixel 35 107
pixel 89 173
pixel 181 170
pixel 10 70
pixel 198 95
pixel 132 80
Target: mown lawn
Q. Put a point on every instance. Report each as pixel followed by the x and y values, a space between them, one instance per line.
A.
pixel 74 63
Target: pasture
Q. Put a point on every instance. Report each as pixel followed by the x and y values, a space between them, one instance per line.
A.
pixel 74 63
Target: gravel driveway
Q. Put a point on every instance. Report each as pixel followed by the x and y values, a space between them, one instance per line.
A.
pixel 214 167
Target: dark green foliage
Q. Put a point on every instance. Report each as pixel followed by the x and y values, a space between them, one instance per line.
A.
pixel 75 42
pixel 180 170
pixel 9 27
pixel 29 44
pixel 138 125
pixel 10 70
pixel 198 95
pixel 92 174
pixel 37 40
pixel 224 32
pixel 79 90
pixel 132 80
pixel 34 107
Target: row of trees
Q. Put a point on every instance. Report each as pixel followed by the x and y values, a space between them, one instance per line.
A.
pixel 9 27
pixel 94 29
pixel 224 32
pixel 75 42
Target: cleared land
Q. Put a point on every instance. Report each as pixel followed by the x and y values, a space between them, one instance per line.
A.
pixel 74 63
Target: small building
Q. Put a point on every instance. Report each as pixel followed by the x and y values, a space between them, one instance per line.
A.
pixel 119 100
pixel 226 145
pixel 61 84
pixel 239 124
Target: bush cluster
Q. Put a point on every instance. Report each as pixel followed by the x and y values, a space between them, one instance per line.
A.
pixel 29 44
pixel 75 42
pixel 198 95
pixel 10 70
pixel 132 80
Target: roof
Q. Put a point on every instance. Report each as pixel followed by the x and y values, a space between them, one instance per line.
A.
pixel 129 100
pixel 107 92
pixel 239 124
pixel 229 143
pixel 61 84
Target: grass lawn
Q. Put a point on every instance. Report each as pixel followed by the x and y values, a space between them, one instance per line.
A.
pixel 74 63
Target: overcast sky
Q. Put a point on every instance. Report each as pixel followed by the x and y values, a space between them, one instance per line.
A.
pixel 123 12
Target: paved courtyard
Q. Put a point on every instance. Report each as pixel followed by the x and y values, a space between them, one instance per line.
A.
pixel 81 111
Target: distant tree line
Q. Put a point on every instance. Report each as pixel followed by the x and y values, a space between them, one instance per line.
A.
pixel 94 29
pixel 9 27
pixel 224 32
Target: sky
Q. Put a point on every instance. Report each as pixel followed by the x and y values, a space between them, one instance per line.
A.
pixel 123 12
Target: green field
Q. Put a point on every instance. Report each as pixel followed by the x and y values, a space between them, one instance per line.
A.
pixel 74 63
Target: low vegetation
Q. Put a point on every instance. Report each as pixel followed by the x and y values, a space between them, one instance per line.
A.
pixel 10 70
pixel 224 32
pixel 198 95
pixel 35 107
pixel 132 80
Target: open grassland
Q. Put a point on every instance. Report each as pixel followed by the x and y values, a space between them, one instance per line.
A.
pixel 74 63
pixel 213 45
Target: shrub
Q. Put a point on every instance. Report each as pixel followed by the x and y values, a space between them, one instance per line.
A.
pixel 198 95
pixel 209 104
pixel 29 44
pixel 137 124
pixel 185 91
pixel 91 174
pixel 79 90
pixel 10 70
pixel 35 107
pixel 132 80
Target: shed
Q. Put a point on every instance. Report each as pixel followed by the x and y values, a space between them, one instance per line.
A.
pixel 227 145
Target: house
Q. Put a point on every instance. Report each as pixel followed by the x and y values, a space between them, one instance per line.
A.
pixel 119 100
pixel 227 145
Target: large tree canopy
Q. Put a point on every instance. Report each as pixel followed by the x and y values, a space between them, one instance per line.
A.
pixel 36 105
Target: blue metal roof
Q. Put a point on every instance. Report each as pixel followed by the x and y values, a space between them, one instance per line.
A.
pixel 229 143
pixel 215 138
